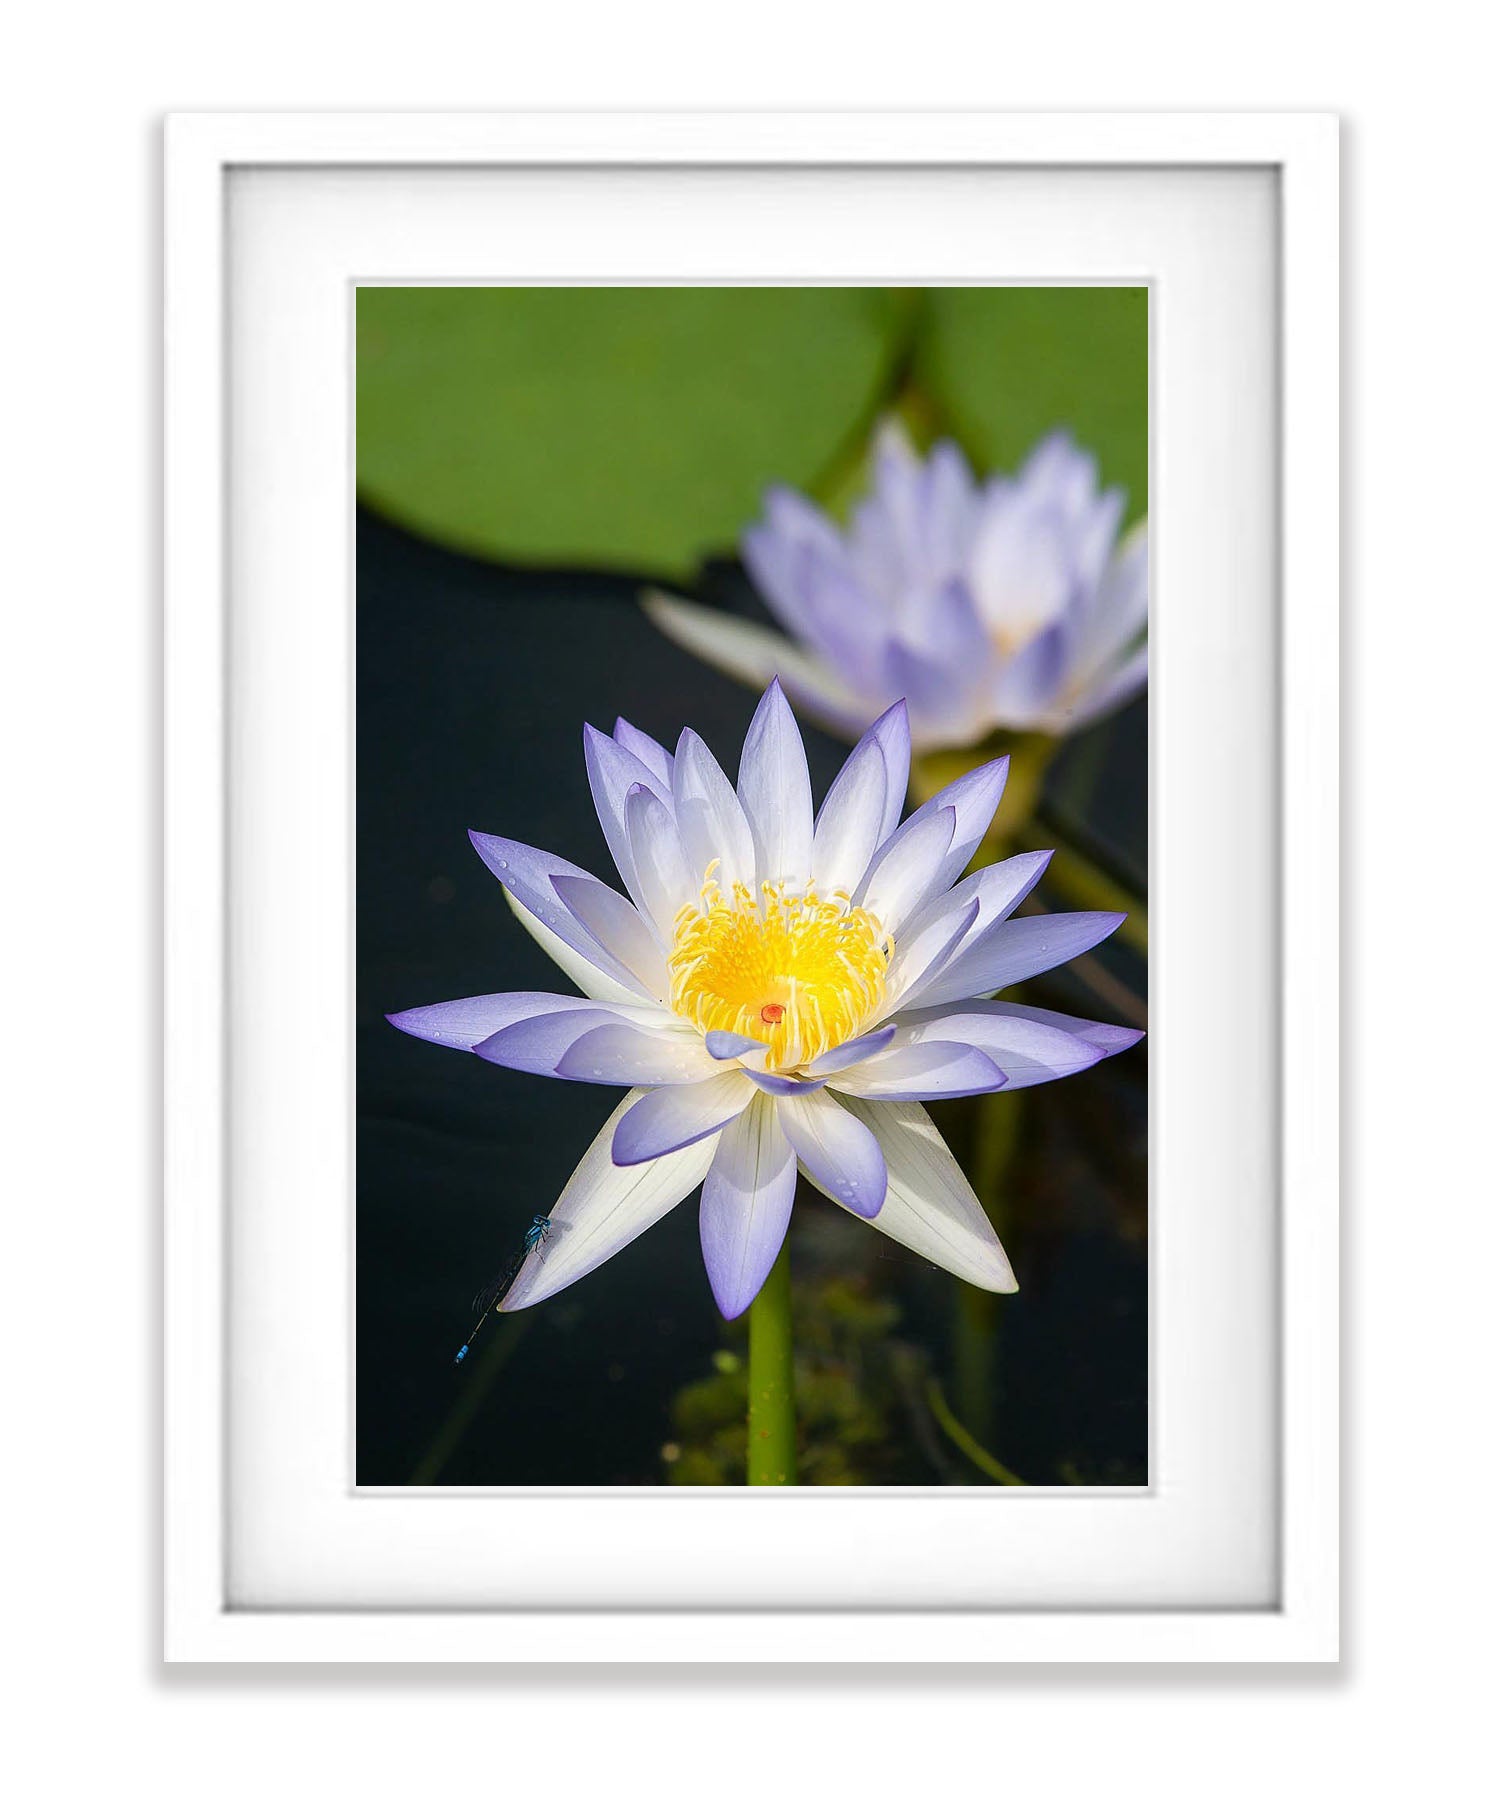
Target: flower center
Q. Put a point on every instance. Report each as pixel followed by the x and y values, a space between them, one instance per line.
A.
pixel 796 972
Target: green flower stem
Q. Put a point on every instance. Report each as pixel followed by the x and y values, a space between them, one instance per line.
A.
pixel 772 1456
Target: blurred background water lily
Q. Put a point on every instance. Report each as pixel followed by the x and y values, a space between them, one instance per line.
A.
pixel 1011 603
pixel 780 990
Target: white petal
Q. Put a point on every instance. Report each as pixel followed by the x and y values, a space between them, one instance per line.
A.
pixel 929 1205
pixel 776 793
pixel 602 1208
pixel 622 1055
pixel 661 870
pixel 710 820
pixel 613 775
pixel 850 821
pixel 934 1069
pixel 618 928
pixel 903 872
pixel 577 967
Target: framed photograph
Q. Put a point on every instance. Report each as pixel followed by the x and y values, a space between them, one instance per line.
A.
pixel 693 642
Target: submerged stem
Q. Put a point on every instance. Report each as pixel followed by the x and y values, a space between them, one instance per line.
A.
pixel 772 1456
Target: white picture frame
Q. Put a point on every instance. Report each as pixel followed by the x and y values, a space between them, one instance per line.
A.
pixel 244 1562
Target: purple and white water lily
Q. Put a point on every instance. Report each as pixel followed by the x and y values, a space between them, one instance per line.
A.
pixel 1009 604
pixel 779 991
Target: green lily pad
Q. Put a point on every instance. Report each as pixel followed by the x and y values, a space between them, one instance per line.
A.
pixel 627 428
pixel 1006 365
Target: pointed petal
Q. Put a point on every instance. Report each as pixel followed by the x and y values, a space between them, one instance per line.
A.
pixel 904 872
pixel 940 930
pixel 1016 949
pixel 746 1206
pixel 892 731
pixel 579 970
pixel 461 1024
pixel 1029 1043
pixel 617 928
pixel 724 1046
pixel 928 1070
pixel 602 1208
pixel 851 1051
pixel 924 951
pixel 781 1084
pixel 661 871
pixel 645 749
pixel 605 1044
pixel 710 820
pixel 613 772
pixel 666 1118
pixel 527 874
pixel 973 798
pixel 929 1206
pixel 776 793
pixel 850 820
pixel 838 1152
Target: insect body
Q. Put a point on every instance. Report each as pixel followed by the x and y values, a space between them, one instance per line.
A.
pixel 489 1297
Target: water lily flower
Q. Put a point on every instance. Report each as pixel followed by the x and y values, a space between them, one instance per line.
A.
pixel 1008 604
pixel 778 991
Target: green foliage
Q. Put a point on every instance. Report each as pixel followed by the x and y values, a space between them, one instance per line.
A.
pixel 852 1383
pixel 628 428
pixel 1006 365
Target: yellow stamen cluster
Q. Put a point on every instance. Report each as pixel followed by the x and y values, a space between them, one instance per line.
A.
pixel 798 972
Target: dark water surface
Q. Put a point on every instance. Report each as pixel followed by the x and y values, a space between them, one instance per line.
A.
pixel 474 683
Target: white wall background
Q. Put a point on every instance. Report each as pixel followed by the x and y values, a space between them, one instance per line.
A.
pixel 87 1702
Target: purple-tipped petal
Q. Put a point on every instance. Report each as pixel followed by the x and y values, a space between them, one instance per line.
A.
pixel 622 1055
pixel 637 1052
pixel 1030 1043
pixel 661 871
pixel 666 1118
pixel 776 793
pixel 838 1152
pixel 602 1209
pixel 585 975
pixel 723 1046
pixel 925 950
pixel 710 820
pixel 929 1070
pixel 528 874
pixel 617 928
pixel 892 731
pixel 1016 949
pixel 746 1206
pixel 851 1051
pixel 929 1205
pixel 646 750
pixel 613 772
pixel 973 798
pixel 907 869
pixel 851 820
pixel 461 1024
pixel 781 1084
